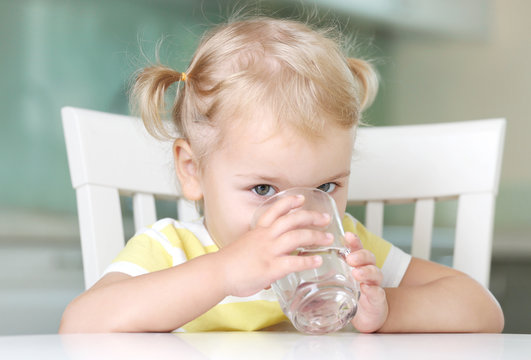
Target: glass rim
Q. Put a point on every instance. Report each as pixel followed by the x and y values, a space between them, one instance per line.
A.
pixel 295 189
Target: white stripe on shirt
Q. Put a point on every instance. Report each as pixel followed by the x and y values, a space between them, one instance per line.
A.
pixel 394 267
pixel 177 254
pixel 126 268
pixel 267 295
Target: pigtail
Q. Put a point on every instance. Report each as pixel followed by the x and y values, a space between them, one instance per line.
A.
pixel 147 97
pixel 368 80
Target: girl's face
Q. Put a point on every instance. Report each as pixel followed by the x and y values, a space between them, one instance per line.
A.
pixel 256 162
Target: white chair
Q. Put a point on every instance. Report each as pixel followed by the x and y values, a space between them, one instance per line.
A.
pixel 427 163
pixel 111 155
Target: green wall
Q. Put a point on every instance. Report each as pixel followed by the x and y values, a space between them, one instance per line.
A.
pixel 57 53
pixel 77 53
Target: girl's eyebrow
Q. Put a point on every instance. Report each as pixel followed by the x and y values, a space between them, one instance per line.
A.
pixel 338 176
pixel 275 179
pixel 260 177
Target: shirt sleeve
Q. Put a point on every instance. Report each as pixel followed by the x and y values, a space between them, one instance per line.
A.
pixel 164 244
pixel 390 259
pixel 147 251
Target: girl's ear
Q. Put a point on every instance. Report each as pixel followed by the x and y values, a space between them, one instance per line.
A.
pixel 187 170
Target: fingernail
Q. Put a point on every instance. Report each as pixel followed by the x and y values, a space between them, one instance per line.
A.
pixel 326 216
pixel 329 236
pixel 317 259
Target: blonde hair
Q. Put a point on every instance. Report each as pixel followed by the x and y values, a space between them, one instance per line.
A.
pixel 298 74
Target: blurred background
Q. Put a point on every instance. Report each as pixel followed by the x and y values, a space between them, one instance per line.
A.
pixel 439 60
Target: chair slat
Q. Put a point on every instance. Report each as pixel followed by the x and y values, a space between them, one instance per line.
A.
pixel 144 210
pixel 374 214
pixel 473 238
pixel 101 228
pixel 186 210
pixel 423 228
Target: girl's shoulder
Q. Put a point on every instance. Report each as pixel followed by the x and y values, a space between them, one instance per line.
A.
pixel 179 233
pixel 166 243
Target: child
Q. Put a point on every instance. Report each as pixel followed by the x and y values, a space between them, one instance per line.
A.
pixel 265 105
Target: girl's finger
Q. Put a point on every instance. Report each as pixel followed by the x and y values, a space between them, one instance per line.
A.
pixel 300 219
pixel 298 238
pixel 369 275
pixel 353 241
pixel 375 295
pixel 279 208
pixel 361 257
pixel 288 264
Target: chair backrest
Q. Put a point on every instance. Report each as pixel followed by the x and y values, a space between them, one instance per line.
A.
pixel 111 155
pixel 431 162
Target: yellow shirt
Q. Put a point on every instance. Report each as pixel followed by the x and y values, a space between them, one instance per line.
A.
pixel 168 243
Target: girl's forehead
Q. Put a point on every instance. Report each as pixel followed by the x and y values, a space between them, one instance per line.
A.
pixel 257 126
pixel 284 158
pixel 260 125
pixel 263 132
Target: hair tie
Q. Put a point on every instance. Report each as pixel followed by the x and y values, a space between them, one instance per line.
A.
pixel 183 77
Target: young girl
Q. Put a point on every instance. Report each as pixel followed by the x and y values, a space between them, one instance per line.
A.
pixel 264 106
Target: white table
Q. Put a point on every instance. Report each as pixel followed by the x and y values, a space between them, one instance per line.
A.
pixel 266 345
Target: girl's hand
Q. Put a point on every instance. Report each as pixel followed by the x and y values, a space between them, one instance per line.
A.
pixel 264 254
pixel 372 306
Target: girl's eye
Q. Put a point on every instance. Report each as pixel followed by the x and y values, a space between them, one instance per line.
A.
pixel 264 190
pixel 328 187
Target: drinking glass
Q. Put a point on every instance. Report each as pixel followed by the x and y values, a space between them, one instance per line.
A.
pixel 325 299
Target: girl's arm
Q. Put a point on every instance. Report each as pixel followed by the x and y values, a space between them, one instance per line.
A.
pixel 436 298
pixel 160 301
pixel 167 299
